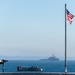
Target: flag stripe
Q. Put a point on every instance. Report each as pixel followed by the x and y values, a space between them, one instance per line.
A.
pixel 69 16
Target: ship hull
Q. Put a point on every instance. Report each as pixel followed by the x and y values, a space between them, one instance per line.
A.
pixel 29 69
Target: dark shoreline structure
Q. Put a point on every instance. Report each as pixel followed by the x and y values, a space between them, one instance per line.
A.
pixel 2 62
pixel 52 58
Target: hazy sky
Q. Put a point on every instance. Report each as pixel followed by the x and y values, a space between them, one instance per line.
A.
pixel 35 28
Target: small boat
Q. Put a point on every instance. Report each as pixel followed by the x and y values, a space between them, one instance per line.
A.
pixel 33 68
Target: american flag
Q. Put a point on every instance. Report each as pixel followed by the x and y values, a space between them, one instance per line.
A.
pixel 69 16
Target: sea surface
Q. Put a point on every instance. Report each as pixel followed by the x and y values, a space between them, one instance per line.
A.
pixel 47 66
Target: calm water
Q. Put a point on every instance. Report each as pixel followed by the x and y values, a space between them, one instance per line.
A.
pixel 11 65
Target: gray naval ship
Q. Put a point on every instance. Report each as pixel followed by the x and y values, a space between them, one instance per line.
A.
pixel 52 58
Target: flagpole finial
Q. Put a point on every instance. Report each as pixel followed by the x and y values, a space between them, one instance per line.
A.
pixel 65 4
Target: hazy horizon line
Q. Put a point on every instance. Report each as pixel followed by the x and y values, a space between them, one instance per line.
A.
pixel 31 57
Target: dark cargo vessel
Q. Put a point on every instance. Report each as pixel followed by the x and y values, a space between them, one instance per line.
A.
pixel 33 68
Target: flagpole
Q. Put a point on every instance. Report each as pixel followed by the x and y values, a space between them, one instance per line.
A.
pixel 65 41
